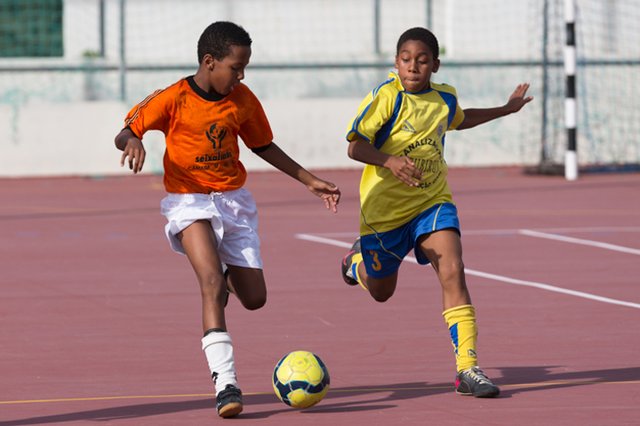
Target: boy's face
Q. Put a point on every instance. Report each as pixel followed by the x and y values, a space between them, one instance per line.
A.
pixel 226 73
pixel 415 64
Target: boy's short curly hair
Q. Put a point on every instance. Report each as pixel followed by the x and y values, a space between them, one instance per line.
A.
pixel 420 34
pixel 218 38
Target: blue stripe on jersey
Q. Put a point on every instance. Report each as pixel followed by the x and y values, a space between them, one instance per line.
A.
pixel 375 91
pixel 385 130
pixel 452 103
pixel 356 123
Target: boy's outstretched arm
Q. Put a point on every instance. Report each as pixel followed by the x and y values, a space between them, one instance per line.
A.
pixel 327 191
pixel 132 147
pixel 476 116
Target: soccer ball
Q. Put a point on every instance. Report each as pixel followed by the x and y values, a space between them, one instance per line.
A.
pixel 300 379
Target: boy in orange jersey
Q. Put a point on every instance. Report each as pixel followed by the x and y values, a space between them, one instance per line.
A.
pixel 211 217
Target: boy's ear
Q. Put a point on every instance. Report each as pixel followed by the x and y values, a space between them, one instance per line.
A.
pixel 436 65
pixel 208 61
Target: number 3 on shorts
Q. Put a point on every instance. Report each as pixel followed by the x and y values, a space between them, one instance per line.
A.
pixel 377 266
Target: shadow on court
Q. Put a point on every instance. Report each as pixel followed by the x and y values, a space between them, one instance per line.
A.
pixel 388 394
pixel 514 380
pixel 359 398
pixel 541 377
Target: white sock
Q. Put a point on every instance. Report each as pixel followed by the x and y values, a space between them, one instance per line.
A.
pixel 219 353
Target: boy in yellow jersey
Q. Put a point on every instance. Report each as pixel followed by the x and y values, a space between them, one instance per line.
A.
pixel 405 200
pixel 211 217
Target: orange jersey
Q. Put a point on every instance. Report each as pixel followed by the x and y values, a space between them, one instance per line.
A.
pixel 201 132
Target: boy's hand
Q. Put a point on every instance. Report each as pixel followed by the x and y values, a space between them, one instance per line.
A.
pixel 329 193
pixel 404 169
pixel 136 153
pixel 517 99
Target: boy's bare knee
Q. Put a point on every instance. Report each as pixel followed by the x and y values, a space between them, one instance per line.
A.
pixel 253 303
pixel 381 297
pixel 381 289
pixel 451 271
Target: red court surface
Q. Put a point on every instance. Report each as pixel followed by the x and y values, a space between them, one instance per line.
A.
pixel 101 321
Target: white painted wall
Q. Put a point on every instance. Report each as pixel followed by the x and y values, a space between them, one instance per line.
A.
pixel 77 138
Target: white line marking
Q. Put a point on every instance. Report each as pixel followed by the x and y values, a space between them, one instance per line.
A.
pixel 594 229
pixel 552 288
pixel 465 232
pixel 322 240
pixel 325 322
pixel 514 281
pixel 591 243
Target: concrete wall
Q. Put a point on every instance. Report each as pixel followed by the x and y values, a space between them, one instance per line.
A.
pixel 48 139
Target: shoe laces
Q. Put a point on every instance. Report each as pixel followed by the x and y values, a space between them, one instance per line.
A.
pixel 477 375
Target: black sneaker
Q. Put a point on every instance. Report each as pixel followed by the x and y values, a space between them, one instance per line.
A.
pixel 474 382
pixel 346 264
pixel 229 402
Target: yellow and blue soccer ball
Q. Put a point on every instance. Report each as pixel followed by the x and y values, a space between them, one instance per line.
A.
pixel 300 379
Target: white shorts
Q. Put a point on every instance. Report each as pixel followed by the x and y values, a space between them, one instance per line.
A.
pixel 234 219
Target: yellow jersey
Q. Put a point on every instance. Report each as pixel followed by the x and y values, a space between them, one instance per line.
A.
pixel 403 123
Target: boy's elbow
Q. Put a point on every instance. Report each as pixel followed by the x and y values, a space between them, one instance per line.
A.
pixel 350 150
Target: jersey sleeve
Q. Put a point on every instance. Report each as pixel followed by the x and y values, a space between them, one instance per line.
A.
pixel 153 113
pixel 456 113
pixel 458 117
pixel 255 129
pixel 374 111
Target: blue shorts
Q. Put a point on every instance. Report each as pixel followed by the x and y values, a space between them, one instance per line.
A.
pixel 383 252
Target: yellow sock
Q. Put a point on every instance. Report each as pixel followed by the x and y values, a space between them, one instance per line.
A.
pixel 355 263
pixel 461 321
